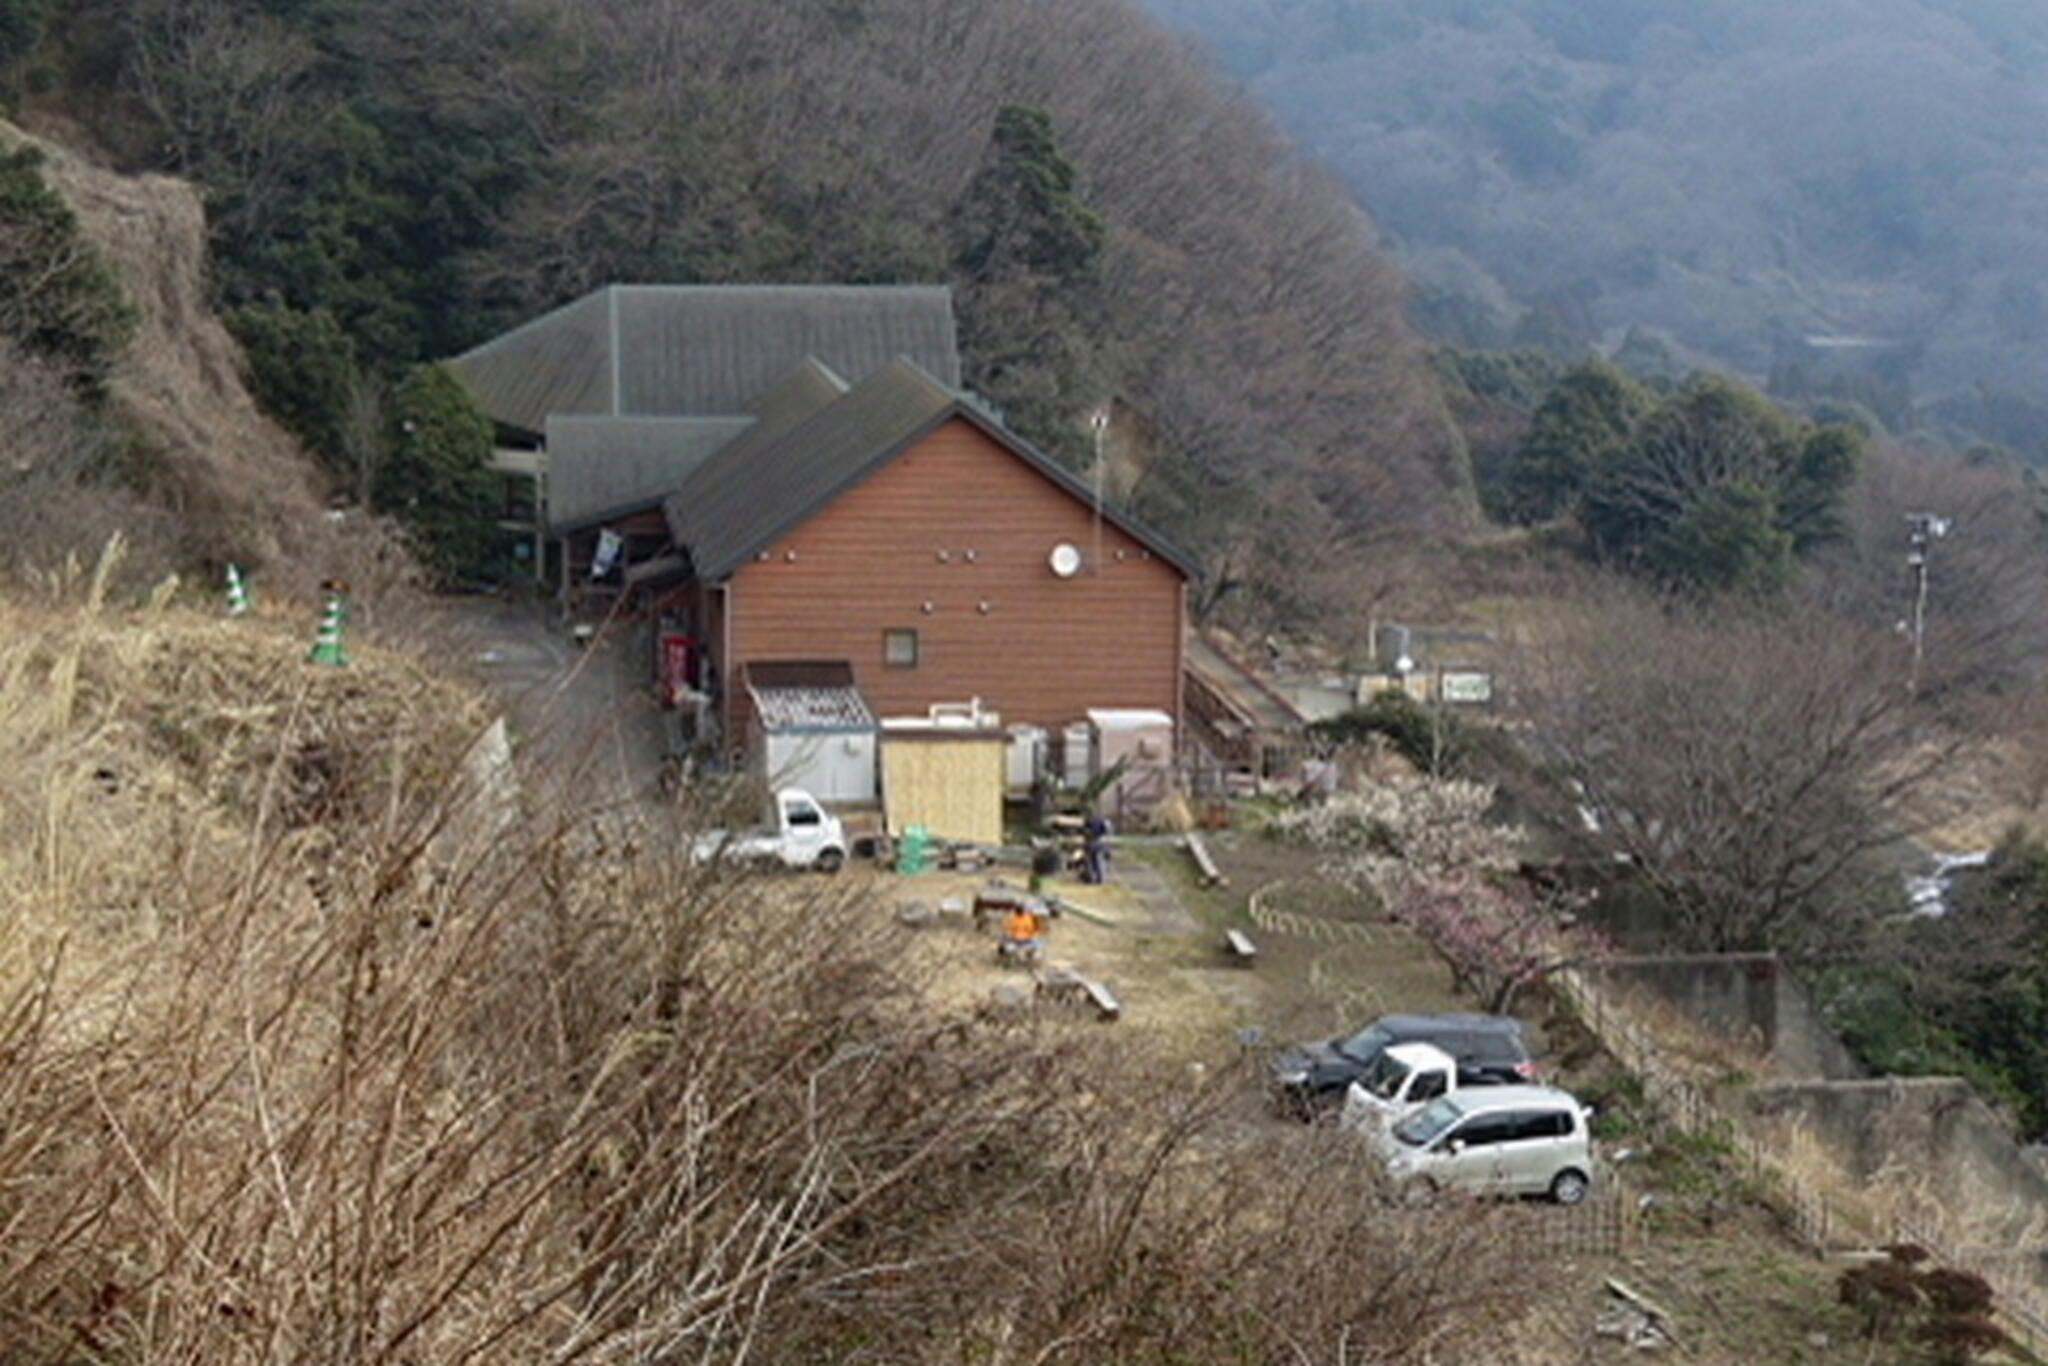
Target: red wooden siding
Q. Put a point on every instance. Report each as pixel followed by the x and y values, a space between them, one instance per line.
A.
pixel 1045 650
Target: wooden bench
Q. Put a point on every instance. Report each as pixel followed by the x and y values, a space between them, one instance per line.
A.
pixel 1240 946
pixel 1205 862
pixel 1062 984
pixel 1103 999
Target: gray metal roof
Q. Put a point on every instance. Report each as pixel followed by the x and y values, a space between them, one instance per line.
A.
pixel 1237 684
pixel 748 494
pixel 809 390
pixel 701 350
pixel 815 695
pixel 604 467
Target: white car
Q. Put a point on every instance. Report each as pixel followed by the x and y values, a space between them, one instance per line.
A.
pixel 1403 1078
pixel 804 835
pixel 1493 1140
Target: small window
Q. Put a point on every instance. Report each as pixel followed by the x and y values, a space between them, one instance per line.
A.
pixel 1428 1086
pixel 1539 1124
pixel 803 813
pixel 899 649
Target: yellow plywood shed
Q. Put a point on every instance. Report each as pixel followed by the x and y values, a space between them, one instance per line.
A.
pixel 951 784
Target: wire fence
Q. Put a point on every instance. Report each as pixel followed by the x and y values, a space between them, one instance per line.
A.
pixel 1273 918
pixel 1606 1223
pixel 1602 1226
pixel 1809 1214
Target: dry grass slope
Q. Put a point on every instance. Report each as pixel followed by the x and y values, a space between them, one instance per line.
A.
pixel 298 1062
pixel 239 487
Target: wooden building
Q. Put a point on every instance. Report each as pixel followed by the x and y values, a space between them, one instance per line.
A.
pixel 899 526
pixel 791 473
pixel 605 405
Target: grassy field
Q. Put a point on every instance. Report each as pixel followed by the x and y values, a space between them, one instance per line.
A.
pixel 1704 1242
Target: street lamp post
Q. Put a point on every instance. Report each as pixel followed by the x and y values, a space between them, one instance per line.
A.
pixel 1924 529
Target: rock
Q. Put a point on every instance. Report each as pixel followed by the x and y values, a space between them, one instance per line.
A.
pixel 1010 998
pixel 916 914
pixel 1819 1341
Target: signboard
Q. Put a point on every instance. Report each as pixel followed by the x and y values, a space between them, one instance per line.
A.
pixel 609 545
pixel 1466 688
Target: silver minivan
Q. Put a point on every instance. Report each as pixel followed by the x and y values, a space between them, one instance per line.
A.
pixel 1493 1140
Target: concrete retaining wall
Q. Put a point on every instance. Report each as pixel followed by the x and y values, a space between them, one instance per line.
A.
pixel 1745 998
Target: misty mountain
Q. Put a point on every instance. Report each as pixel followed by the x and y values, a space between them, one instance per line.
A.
pixel 1849 185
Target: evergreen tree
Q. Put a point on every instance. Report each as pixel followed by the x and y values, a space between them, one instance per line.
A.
pixel 1026 251
pixel 1718 488
pixel 21 28
pixel 302 369
pixel 1580 428
pixel 437 477
pixel 1021 215
pixel 1727 539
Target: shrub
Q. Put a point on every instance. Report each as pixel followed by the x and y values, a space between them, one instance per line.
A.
pixel 57 298
pixel 1947 1310
pixel 437 478
pixel 302 370
pixel 1424 736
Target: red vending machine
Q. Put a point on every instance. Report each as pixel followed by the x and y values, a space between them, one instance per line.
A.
pixel 678 666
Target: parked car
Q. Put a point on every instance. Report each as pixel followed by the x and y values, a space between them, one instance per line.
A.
pixel 1402 1079
pixel 1312 1077
pixel 1493 1140
pixel 803 835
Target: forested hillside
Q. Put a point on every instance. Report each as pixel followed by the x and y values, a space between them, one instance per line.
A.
pixel 1838 191
pixel 389 181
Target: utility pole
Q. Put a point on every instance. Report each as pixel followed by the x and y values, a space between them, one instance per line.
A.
pixel 1099 420
pixel 1924 529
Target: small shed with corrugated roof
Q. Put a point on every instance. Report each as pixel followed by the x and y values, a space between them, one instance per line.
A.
pixel 814 729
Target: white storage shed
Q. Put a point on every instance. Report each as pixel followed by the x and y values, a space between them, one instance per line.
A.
pixel 816 731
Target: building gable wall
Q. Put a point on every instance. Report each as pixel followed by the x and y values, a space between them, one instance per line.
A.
pixel 951 540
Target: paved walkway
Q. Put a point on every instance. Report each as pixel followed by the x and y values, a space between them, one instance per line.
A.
pixel 586 715
pixel 1163 912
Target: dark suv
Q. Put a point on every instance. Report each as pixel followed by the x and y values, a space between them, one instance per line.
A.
pixel 1311 1077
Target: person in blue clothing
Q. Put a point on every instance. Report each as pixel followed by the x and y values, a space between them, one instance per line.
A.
pixel 1095 848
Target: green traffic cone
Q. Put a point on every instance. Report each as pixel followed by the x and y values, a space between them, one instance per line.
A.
pixel 327 645
pixel 238 593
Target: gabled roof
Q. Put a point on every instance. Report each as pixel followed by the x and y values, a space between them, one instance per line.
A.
pixel 755 491
pixel 809 389
pixel 700 350
pixel 1239 686
pixel 605 467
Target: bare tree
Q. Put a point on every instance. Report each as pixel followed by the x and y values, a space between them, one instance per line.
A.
pixel 59 489
pixel 1745 767
pixel 232 91
pixel 1987 579
pixel 365 441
